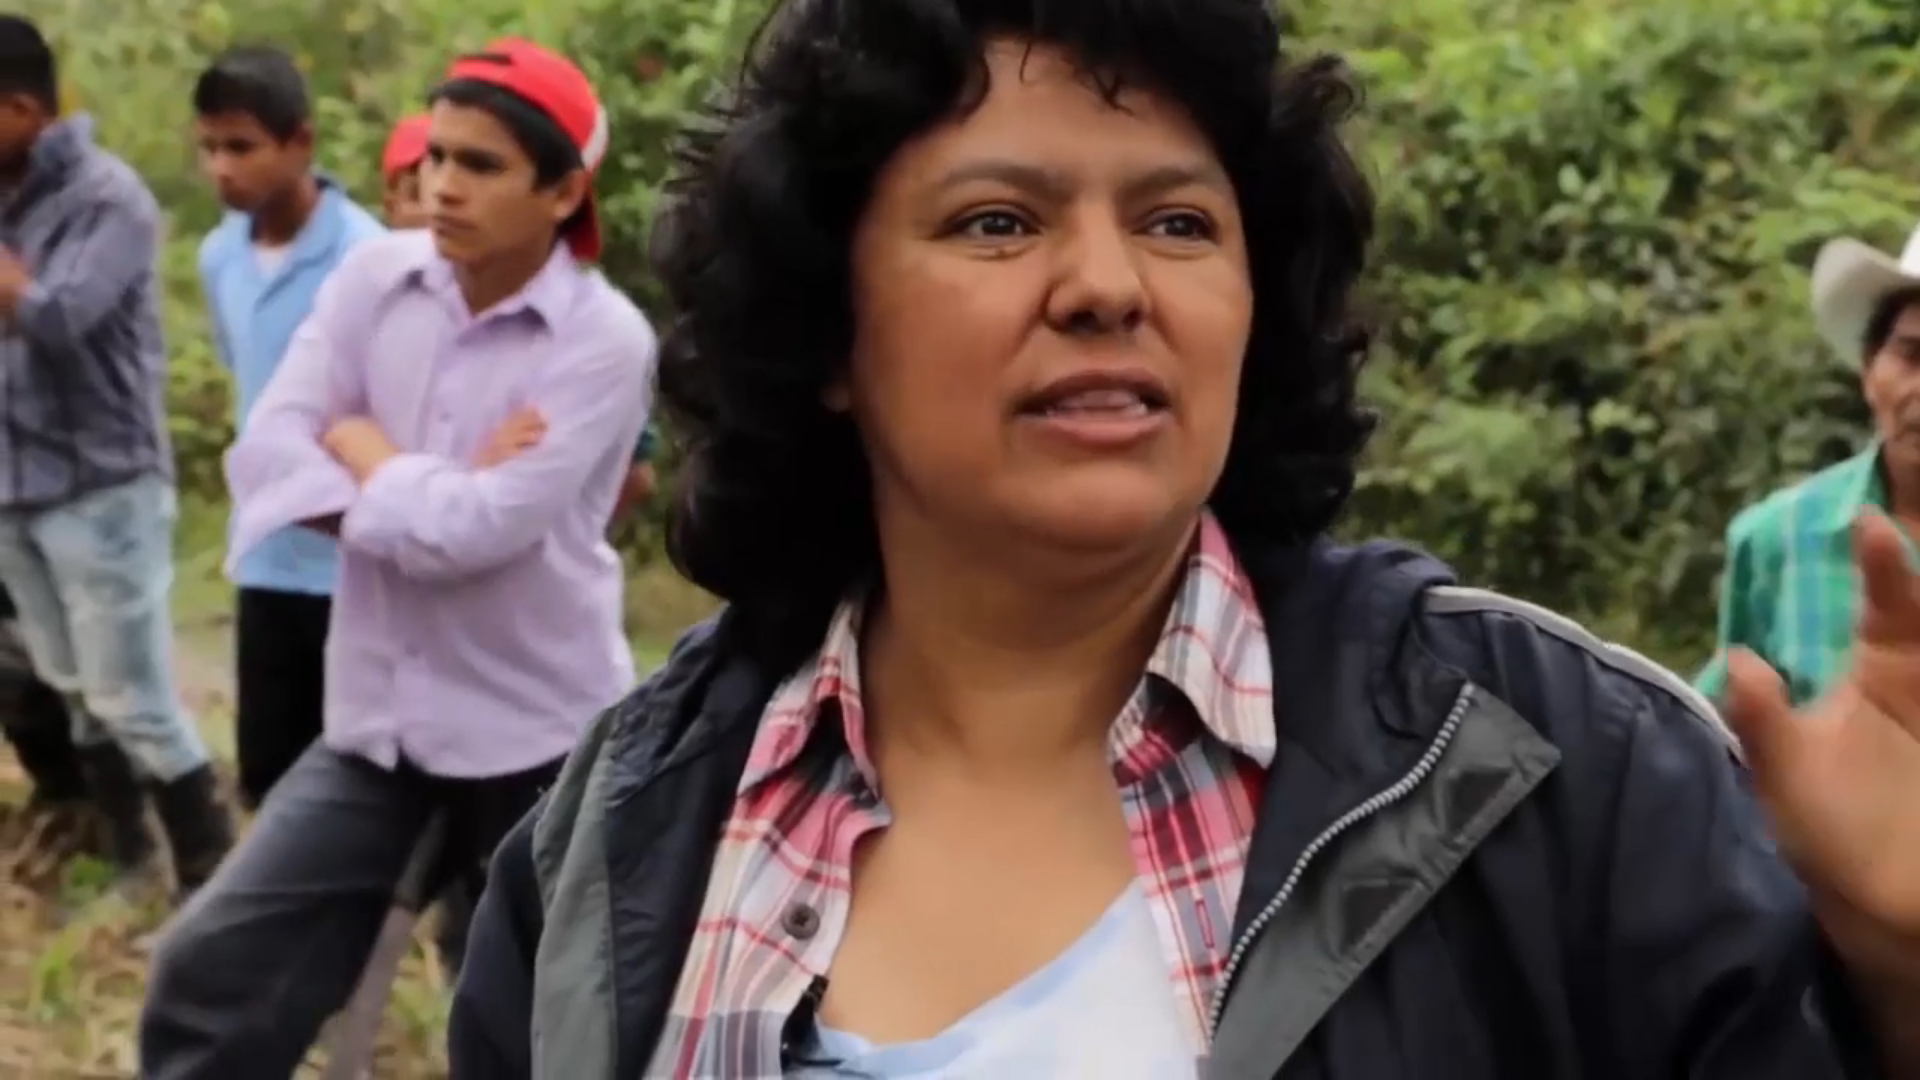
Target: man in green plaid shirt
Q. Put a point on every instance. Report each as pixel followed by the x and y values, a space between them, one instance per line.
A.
pixel 1789 592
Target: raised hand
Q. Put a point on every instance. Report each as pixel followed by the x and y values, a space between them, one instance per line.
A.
pixel 1840 780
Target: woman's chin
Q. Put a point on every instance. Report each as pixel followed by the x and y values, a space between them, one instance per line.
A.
pixel 1107 517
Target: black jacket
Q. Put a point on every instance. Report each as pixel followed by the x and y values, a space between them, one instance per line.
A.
pixel 1490 847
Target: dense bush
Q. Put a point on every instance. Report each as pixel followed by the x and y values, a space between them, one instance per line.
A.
pixel 131 64
pixel 1594 340
pixel 1593 272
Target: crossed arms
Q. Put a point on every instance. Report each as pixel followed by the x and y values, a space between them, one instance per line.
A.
pixel 309 454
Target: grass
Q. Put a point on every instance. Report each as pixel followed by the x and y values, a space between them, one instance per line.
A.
pixel 72 954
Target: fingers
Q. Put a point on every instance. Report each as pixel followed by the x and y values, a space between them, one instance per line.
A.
pixel 526 427
pixel 522 431
pixel 1757 709
pixel 1890 611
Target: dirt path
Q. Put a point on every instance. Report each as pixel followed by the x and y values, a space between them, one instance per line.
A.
pixel 71 963
pixel 71 970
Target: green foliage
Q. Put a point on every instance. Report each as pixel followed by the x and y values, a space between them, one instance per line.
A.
pixel 131 63
pixel 1595 340
pixel 1597 217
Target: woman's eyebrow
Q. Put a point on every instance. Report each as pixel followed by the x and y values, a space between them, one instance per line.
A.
pixel 1055 185
pixel 1034 179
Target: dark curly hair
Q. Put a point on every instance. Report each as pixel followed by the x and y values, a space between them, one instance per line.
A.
pixel 774 509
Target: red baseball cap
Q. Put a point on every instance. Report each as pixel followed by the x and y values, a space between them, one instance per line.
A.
pixel 552 84
pixel 405 147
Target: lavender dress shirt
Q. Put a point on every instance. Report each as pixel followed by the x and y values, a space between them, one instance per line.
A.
pixel 477 621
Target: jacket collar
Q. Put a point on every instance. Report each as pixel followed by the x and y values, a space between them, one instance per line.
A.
pixel 1357 704
pixel 55 156
pixel 61 147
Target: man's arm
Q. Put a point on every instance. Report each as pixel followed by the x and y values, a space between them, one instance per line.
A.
pixel 84 278
pixel 440 519
pixel 277 471
pixel 1746 598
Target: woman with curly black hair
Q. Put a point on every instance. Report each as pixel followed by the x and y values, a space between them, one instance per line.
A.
pixel 1044 734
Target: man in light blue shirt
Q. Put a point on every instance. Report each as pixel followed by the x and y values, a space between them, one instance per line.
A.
pixel 286 230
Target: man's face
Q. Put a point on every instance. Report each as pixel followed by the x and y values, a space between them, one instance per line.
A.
pixel 1891 381
pixel 247 166
pixel 21 119
pixel 482 194
pixel 401 201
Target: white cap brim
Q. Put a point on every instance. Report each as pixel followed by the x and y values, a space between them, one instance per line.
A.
pixel 1850 279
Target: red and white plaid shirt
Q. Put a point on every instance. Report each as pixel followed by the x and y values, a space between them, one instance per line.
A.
pixel 1190 755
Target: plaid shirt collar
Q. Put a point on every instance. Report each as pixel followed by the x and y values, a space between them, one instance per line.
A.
pixel 1212 652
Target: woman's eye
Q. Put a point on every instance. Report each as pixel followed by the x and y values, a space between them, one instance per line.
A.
pixel 1182 226
pixel 993 225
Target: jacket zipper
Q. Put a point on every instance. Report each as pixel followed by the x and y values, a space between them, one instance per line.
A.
pixel 1400 790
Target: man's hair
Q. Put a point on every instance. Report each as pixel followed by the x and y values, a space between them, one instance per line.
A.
pixel 258 81
pixel 552 153
pixel 26 63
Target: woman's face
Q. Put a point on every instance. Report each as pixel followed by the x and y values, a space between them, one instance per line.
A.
pixel 1052 306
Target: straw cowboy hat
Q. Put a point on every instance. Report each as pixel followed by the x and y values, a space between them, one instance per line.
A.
pixel 1850 280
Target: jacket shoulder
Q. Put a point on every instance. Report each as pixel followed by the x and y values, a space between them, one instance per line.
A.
pixel 111 182
pixel 1492 636
pixel 632 736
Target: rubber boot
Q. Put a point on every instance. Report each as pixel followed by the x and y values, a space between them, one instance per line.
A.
pixel 36 723
pixel 122 806
pixel 198 825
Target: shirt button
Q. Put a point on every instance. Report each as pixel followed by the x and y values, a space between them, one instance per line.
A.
pixel 802 921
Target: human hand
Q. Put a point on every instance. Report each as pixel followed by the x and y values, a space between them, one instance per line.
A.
pixel 358 444
pixel 1840 780
pixel 521 432
pixel 14 280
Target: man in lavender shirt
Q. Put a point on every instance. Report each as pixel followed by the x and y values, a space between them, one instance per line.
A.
pixel 460 409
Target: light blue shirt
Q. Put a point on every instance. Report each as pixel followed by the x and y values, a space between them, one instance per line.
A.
pixel 255 307
pixel 1101 1010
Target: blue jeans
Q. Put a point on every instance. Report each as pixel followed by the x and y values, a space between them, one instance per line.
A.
pixel 90 579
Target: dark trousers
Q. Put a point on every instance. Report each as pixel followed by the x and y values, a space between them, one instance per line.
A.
pixel 247 973
pixel 280 652
pixel 280 659
pixel 34 718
